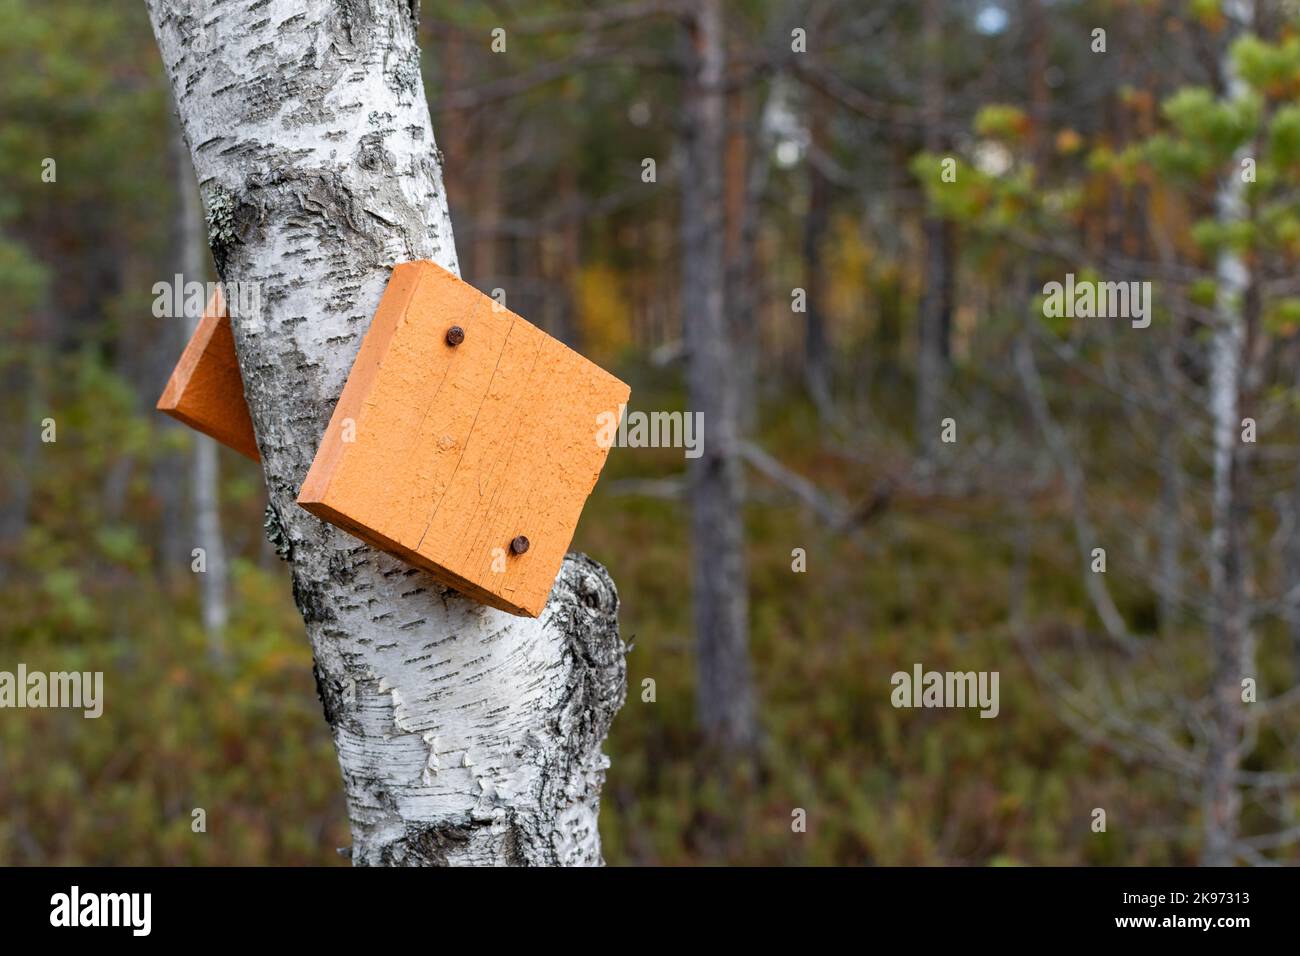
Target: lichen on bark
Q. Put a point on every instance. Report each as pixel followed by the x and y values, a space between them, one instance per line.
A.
pixel 464 735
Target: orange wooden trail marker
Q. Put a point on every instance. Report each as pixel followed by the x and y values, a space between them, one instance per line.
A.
pixel 466 441
pixel 206 390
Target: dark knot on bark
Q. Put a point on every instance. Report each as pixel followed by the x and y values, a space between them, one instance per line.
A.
pixel 584 606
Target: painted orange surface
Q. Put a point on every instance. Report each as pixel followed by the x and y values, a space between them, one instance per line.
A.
pixel 206 390
pixel 442 454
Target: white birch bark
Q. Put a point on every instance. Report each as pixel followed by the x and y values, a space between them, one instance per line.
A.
pixel 1229 627
pixel 464 735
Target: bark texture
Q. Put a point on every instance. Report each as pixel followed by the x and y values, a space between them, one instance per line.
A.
pixel 464 735
pixel 724 692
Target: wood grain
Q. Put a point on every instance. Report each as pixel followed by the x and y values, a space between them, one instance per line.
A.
pixel 456 450
pixel 205 390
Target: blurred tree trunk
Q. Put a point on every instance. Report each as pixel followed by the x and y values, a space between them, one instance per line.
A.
pixel 745 181
pixel 455 148
pixel 487 208
pixel 1290 510
pixel 35 340
pixel 934 320
pixel 15 506
pixel 817 371
pixel 724 694
pixel 464 735
pixel 1040 97
pixel 569 266
pixel 1229 625
pixel 207 528
pixel 1169 593
pixel 169 469
pixel 205 475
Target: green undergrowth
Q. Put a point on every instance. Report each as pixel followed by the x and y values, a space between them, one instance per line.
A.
pixel 928 581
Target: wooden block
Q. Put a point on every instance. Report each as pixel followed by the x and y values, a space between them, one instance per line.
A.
pixel 206 390
pixel 457 450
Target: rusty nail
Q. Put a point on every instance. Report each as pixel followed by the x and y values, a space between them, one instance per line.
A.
pixel 455 335
pixel 519 545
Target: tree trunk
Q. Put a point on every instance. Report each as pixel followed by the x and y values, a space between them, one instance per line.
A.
pixel 1289 509
pixel 1169 591
pixel 569 260
pixel 207 529
pixel 205 474
pixel 16 505
pixel 485 248
pixel 1040 97
pixel 168 475
pixel 454 72
pixel 817 371
pixel 746 179
pixel 1229 624
pixel 464 735
pixel 724 693
pixel 934 319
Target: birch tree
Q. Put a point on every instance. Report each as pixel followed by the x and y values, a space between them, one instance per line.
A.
pixel 1209 394
pixel 464 735
pixel 1229 624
